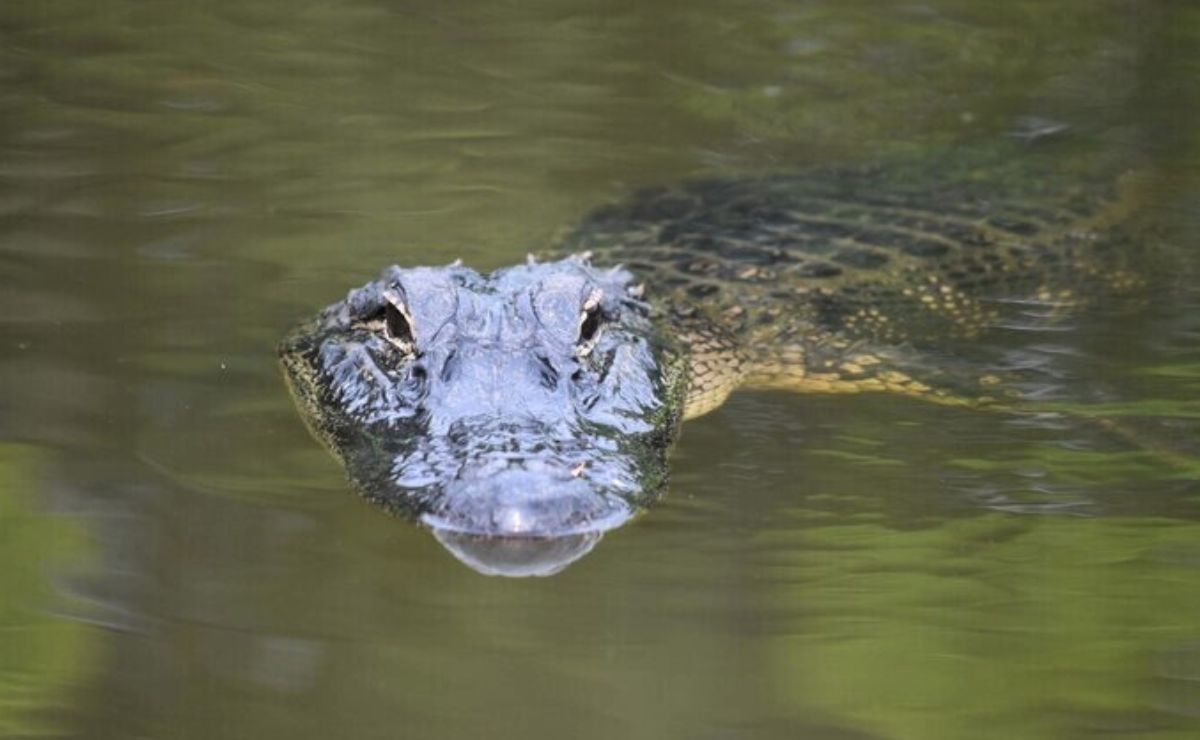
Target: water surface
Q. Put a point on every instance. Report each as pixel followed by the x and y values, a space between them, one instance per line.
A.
pixel 181 181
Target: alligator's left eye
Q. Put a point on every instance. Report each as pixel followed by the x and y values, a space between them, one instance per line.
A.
pixel 591 320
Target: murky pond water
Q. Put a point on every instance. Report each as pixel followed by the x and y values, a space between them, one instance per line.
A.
pixel 181 181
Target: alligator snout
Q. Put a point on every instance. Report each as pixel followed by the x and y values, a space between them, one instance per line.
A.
pixel 528 500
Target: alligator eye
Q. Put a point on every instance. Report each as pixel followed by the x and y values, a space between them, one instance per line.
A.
pixel 590 321
pixel 589 326
pixel 397 324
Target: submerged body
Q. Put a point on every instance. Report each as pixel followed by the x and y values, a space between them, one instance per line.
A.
pixel 541 401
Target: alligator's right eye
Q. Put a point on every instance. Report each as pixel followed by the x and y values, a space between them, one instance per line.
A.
pixel 395 323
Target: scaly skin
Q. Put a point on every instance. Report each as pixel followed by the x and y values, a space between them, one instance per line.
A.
pixel 541 401
pixel 834 281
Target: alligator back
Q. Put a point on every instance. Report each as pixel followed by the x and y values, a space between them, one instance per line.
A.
pixel 810 271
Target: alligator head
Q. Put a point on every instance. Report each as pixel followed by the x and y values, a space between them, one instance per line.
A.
pixel 535 405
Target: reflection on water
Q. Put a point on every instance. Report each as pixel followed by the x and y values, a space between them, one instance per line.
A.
pixel 517 557
pixel 41 653
pixel 180 182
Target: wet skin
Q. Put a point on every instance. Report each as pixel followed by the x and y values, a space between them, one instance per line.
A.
pixel 536 402
pixel 522 414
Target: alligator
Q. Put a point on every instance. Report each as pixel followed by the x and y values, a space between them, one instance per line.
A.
pixel 538 403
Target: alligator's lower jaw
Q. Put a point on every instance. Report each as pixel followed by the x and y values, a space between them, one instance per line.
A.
pixel 517 523
pixel 535 499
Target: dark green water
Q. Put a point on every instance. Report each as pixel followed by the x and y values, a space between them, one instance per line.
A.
pixel 181 181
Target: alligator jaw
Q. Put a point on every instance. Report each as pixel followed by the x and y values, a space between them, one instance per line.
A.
pixel 529 500
pixel 523 522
